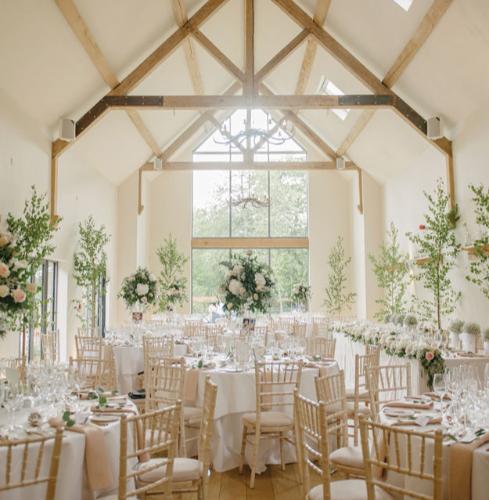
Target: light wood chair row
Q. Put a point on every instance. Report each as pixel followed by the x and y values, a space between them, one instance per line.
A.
pixel 31 465
pixel 385 449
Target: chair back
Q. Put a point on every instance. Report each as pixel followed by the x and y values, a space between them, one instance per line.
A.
pixel 213 335
pixel 324 347
pixel 299 329
pixel 88 371
pixel 388 383
pixel 192 327
pixel 362 364
pixel 49 346
pixel 284 324
pixel 88 347
pixel 313 441
pixel 415 455
pixel 207 425
pixel 165 382
pixel 141 438
pixel 160 347
pixel 275 384
pixel 330 389
pixel 26 463
pixel 320 326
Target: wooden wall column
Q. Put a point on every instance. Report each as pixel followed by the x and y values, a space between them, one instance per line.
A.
pixel 53 195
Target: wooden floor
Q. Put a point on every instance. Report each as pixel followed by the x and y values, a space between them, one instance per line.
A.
pixel 273 484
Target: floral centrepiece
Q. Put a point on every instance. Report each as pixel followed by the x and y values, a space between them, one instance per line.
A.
pixel 247 286
pixel 394 343
pixel 301 295
pixel 16 291
pixel 139 289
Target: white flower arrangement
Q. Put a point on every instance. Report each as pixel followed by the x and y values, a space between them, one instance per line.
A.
pixel 247 285
pixel 301 294
pixel 139 289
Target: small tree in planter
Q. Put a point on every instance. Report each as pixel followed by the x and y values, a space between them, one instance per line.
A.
pixel 479 266
pixel 439 244
pixel 173 284
pixel 391 270
pixel 337 297
pixel 34 231
pixel 90 270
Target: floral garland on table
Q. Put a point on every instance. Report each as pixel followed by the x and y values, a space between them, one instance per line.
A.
pixel 394 343
pixel 139 289
pixel 247 285
pixel 16 291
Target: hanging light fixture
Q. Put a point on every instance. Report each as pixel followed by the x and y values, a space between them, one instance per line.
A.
pixel 247 197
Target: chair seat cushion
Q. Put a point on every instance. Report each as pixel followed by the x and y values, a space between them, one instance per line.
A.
pixel 192 415
pixel 269 419
pixel 351 489
pixel 348 456
pixel 362 410
pixel 363 395
pixel 184 469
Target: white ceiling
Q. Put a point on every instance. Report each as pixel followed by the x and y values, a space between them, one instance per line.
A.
pixel 46 73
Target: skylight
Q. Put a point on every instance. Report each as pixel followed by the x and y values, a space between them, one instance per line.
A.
pixel 327 87
pixel 405 4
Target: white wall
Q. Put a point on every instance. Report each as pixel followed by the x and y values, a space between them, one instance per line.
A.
pixel 405 203
pixel 25 161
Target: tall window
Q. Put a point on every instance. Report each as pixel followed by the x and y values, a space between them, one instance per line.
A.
pixel 260 210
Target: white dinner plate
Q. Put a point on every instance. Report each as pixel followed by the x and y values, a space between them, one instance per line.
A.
pixel 103 419
pixel 398 412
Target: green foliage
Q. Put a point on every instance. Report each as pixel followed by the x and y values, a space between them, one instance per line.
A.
pixel 337 297
pixel 90 269
pixel 479 267
pixel 173 284
pixel 439 244
pixel 391 270
pixel 34 231
pixel 301 295
pixel 139 289
pixel 247 284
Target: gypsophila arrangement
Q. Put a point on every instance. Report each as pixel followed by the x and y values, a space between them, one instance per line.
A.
pixel 472 329
pixel 139 289
pixel 301 295
pixel 439 244
pixel 247 285
pixel 456 326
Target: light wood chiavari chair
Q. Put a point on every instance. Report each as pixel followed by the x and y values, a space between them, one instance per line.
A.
pixel 192 475
pixel 275 385
pixel 300 329
pixel 213 335
pixel 313 439
pixel 192 327
pixel 89 347
pixel 320 326
pixel 359 395
pixel 49 346
pixel 331 390
pixel 387 383
pixel 324 347
pixel 88 370
pixel 286 325
pixel 146 438
pixel 25 462
pixel 411 454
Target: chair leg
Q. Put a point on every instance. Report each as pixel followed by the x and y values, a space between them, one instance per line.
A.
pixel 243 448
pixel 282 451
pixel 254 458
pixel 183 439
pixel 298 451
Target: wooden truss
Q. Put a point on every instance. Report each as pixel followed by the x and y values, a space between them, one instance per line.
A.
pixel 255 93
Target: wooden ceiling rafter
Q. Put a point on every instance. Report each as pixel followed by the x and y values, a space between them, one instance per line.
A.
pixel 320 15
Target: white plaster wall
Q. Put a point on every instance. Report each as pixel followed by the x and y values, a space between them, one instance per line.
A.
pixel 25 161
pixel 405 204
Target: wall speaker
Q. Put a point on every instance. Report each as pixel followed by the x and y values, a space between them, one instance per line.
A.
pixel 433 128
pixel 157 164
pixel 67 130
pixel 340 163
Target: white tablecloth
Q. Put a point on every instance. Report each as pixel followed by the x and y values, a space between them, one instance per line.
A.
pixel 72 482
pixel 480 469
pixel 236 395
pixel 129 361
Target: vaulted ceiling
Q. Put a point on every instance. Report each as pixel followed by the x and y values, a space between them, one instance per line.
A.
pixel 47 74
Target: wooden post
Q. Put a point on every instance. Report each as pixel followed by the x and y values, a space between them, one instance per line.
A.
pixel 53 205
pixel 450 180
pixel 360 190
pixel 249 87
pixel 140 191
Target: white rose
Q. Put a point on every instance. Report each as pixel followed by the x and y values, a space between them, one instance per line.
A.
pixel 142 289
pixel 255 296
pixel 4 291
pixel 236 287
pixel 237 270
pixel 260 281
pixel 20 264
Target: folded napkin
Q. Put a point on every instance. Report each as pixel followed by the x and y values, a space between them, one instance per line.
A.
pixel 97 463
pixel 190 386
pixel 435 397
pixel 409 405
pixel 460 468
pixel 420 420
pixel 113 409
